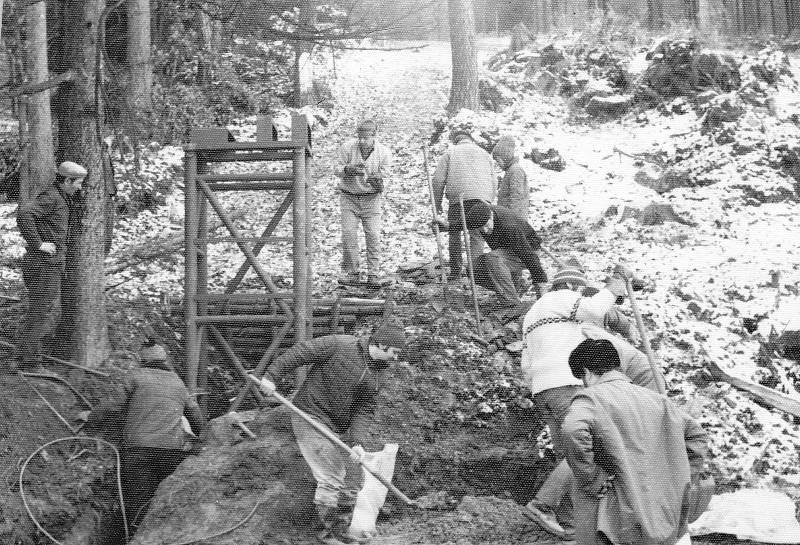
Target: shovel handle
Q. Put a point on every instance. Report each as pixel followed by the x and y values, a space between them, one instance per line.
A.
pixel 645 338
pixel 437 233
pixel 335 438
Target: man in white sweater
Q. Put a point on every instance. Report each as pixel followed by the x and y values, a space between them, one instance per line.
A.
pixel 552 329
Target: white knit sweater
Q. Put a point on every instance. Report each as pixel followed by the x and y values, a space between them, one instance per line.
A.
pixel 545 357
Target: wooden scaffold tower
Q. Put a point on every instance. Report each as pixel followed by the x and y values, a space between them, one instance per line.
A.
pixel 282 166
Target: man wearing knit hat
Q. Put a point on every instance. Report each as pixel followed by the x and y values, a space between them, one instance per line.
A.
pixel 43 222
pixel 552 329
pixel 339 391
pixel 464 171
pixel 513 243
pixel 362 165
pixel 513 192
pixel 150 407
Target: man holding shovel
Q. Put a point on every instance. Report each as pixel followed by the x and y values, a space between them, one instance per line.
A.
pixel 339 392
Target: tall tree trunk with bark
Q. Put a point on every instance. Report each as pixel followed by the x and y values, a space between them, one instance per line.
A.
pixel 463 45
pixel 139 69
pixel 83 327
pixel 303 67
pixel 37 171
pixel 792 16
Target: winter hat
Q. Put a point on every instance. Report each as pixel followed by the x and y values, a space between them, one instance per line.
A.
pixel 367 126
pixel 68 169
pixel 478 215
pixel 154 352
pixel 503 151
pixel 571 272
pixel 389 335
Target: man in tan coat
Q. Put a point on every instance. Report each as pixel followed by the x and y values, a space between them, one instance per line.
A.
pixel 633 453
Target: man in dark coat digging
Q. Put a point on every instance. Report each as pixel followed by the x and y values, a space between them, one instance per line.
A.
pixel 513 243
pixel 339 392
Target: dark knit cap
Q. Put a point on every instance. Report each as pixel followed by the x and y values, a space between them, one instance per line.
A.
pixel 389 335
pixel 478 215
pixel 459 133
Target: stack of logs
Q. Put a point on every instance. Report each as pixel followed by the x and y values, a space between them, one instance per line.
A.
pixel 250 337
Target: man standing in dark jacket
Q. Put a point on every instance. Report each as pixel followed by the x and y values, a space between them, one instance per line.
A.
pixel 151 405
pixel 513 242
pixel 43 222
pixel 339 391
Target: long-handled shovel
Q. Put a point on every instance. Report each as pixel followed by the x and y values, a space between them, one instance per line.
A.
pixel 435 223
pixel 335 438
pixel 645 337
pixel 470 268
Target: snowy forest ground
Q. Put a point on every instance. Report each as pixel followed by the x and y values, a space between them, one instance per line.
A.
pixel 702 280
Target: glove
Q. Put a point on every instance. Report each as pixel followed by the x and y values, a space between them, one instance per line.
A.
pixel 353 170
pixel 376 183
pixel 442 221
pixel 357 456
pixel 83 416
pixel 617 286
pixel 266 385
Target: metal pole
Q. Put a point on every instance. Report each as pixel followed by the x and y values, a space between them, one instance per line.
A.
pixel 300 255
pixel 468 246
pixel 436 232
pixel 645 338
pixel 190 280
pixel 202 289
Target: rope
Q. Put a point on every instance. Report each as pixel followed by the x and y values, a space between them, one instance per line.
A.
pixel 62 440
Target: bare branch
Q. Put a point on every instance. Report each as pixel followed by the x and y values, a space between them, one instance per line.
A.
pixel 33 88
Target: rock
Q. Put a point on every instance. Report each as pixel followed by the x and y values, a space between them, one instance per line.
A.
pixel 789 345
pixel 612 106
pixel 654 214
pixel 550 159
pixel 492 95
pixel 520 37
pixel 211 491
pixel 546 84
pixel 667 181
pixel 715 71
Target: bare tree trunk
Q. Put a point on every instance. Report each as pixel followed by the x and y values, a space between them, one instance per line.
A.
pixel 464 85
pixel 36 172
pixel 303 68
pixel 140 71
pixel 82 327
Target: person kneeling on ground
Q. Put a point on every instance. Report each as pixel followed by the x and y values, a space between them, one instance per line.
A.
pixel 634 454
pixel 339 392
pixel 153 439
pixel 513 243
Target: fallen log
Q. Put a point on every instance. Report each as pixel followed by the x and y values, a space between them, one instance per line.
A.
pixel 761 393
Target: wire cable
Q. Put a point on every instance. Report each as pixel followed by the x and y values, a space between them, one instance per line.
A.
pixel 63 440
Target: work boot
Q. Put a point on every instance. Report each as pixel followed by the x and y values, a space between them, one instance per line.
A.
pixel 330 518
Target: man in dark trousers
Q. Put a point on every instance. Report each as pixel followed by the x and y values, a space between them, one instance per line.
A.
pixel 513 243
pixel 339 392
pixel 634 454
pixel 150 407
pixel 43 223
pixel 464 171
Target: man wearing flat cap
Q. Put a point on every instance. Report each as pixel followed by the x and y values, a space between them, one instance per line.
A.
pixel 43 223
pixel 149 407
pixel 464 171
pixel 363 166
pixel 339 392
pixel 513 243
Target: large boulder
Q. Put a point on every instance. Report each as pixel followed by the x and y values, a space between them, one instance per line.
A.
pixel 212 491
pixel 610 106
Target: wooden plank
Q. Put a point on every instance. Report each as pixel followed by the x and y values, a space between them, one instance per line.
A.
pixel 762 393
pixel 248 177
